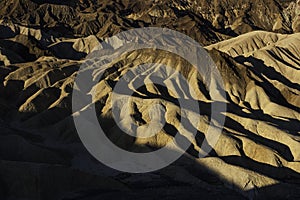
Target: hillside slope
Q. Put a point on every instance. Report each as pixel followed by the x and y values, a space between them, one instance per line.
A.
pixel 43 44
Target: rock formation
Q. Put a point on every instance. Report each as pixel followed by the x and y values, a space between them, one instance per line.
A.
pixel 256 47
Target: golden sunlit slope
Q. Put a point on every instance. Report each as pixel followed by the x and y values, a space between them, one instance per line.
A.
pixel 44 43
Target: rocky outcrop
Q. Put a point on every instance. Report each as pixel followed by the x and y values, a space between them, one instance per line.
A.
pixel 42 46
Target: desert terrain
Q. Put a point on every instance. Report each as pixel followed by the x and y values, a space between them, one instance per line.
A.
pixel 255 46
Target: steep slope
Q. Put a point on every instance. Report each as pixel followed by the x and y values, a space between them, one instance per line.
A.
pixel 260 140
pixel 44 43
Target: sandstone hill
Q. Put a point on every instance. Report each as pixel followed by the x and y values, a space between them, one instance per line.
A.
pixel 256 47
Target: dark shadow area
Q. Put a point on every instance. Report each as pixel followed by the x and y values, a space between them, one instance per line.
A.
pixel 16 49
pixel 261 70
pixel 6 32
pixel 65 50
pixel 276 191
pixel 292 126
pixel 282 149
pixel 58 2
pixel 279 173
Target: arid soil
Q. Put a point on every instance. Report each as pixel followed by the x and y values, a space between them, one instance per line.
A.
pixel 256 47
